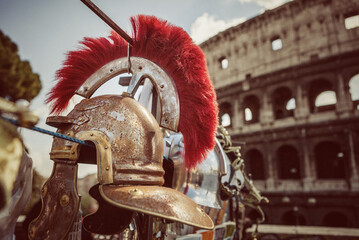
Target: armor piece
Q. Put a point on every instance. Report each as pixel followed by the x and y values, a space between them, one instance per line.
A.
pixel 202 184
pixel 250 195
pixel 129 153
pixel 60 200
pixel 231 182
pixel 211 182
pixel 158 201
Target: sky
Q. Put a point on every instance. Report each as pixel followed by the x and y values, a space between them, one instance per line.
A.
pixel 45 30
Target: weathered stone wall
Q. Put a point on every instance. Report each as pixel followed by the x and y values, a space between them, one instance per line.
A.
pixel 308 29
pixel 308 151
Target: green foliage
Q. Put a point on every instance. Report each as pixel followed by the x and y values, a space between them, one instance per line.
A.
pixel 17 81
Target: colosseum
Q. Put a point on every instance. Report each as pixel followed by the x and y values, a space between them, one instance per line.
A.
pixel 287 86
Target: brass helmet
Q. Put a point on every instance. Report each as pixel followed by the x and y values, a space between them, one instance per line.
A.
pixel 127 138
pixel 165 55
pixel 129 155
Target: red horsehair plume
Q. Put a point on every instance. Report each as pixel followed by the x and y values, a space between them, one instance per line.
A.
pixel 169 47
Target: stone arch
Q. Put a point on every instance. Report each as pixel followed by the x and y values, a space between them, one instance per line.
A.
pixel 255 164
pixel 330 160
pixel 225 114
pixel 324 90
pixel 288 162
pixel 280 98
pixel 335 219
pixel 251 104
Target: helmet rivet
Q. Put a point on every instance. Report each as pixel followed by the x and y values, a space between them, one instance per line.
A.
pixel 32 232
pixel 107 168
pixel 91 134
pixel 200 209
pixel 64 201
pixel 106 147
pixel 135 192
pixel 44 191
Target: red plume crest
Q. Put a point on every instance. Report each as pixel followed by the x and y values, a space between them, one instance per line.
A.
pixel 169 47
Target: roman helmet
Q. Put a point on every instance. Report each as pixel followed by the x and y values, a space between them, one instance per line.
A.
pixel 123 137
pixel 210 182
pixel 202 184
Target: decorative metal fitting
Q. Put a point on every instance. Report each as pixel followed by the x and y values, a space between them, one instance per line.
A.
pixel 64 201
pixel 135 192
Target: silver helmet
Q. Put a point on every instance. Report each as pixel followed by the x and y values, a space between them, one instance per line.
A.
pixel 206 183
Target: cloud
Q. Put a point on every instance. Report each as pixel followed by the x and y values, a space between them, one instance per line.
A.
pixel 267 4
pixel 207 26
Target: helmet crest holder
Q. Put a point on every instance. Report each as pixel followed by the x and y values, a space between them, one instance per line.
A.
pixel 141 69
